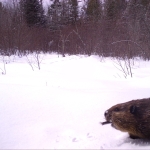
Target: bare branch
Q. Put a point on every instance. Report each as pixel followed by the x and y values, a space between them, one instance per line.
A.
pixel 127 41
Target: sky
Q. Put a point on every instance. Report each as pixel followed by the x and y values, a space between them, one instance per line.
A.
pixel 45 2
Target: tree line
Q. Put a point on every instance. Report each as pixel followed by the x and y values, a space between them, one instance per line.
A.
pixel 116 28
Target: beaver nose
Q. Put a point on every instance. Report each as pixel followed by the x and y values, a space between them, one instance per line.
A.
pixel 106 113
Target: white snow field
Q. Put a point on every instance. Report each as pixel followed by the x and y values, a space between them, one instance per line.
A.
pixel 61 105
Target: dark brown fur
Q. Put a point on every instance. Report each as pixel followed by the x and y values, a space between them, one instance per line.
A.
pixel 132 117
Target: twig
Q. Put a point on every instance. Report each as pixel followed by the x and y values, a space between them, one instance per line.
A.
pixel 127 41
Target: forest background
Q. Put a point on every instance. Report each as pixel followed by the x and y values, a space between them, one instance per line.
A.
pixel 112 28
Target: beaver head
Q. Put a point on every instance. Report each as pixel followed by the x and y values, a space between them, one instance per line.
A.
pixel 132 117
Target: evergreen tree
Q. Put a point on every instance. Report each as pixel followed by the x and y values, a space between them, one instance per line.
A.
pixel 1 7
pixel 53 10
pixel 1 13
pixel 137 9
pixel 94 9
pixel 65 12
pixel 33 12
pixel 73 10
pixel 114 8
pixel 145 3
pixel 54 14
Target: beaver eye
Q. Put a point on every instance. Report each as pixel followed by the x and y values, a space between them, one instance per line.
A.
pixel 133 109
pixel 116 109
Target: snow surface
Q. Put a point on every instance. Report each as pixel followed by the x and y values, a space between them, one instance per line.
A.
pixel 62 105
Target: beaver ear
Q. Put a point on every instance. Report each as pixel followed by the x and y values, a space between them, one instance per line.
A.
pixel 133 109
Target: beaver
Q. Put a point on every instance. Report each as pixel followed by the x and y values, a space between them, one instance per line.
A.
pixel 132 117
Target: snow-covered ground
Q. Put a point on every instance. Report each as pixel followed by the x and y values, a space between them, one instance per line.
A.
pixel 62 105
